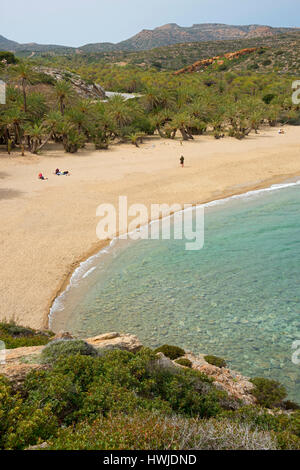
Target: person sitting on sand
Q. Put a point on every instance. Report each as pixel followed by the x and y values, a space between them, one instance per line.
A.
pixel 58 172
pixel 182 161
pixel 41 177
pixel 281 131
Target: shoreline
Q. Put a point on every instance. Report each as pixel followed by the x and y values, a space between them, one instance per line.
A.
pixel 107 243
pixel 50 226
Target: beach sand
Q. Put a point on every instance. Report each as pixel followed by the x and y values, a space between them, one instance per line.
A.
pixel 48 227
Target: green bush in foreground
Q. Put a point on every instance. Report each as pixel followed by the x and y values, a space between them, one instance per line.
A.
pixel 285 427
pixel 183 361
pixel 118 400
pixel 66 347
pixel 20 424
pixel 268 393
pixel 15 336
pixel 172 352
pixel 151 431
pixel 215 361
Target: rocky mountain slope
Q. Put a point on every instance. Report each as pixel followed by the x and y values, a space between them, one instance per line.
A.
pixel 162 36
pixel 81 87
pixel 174 34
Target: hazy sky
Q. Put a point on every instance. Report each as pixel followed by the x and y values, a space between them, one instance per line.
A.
pixel 78 22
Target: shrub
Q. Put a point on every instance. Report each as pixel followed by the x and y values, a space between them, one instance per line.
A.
pixel 133 405
pixel 135 432
pixel 17 336
pixel 223 67
pixel 215 361
pixel 268 393
pixel 190 393
pixel 37 425
pixel 172 352
pixel 62 347
pixel 183 361
pixel 104 397
pixel 290 405
pixel 253 66
pixel 267 62
pixel 268 98
pixel 16 331
pixel 284 427
pixel 43 78
pixel 20 424
pixel 9 57
pixel 53 389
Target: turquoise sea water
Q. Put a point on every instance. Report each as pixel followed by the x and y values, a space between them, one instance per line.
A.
pixel 238 297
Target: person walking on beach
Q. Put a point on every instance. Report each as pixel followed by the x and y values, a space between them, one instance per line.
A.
pixel 182 161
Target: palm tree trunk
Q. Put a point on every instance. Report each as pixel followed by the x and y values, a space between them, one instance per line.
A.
pixel 62 107
pixel 44 143
pixel 24 95
pixel 183 133
pixel 17 133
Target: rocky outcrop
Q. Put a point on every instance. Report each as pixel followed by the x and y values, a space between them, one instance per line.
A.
pixel 235 384
pixel 202 64
pixel 115 341
pixel 20 361
pixel 163 363
pixel 80 86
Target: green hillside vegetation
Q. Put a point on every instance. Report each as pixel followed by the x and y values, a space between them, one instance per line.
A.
pixel 113 399
pixel 282 51
pixel 40 110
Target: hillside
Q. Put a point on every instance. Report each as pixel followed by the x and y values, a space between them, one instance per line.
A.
pixel 173 34
pixel 7 45
pixel 147 39
pixel 280 53
pixel 13 46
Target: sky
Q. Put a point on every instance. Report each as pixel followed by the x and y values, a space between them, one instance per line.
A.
pixel 79 22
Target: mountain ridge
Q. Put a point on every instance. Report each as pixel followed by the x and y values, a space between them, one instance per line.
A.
pixel 168 34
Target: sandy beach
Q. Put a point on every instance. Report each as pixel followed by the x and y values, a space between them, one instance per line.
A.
pixel 48 227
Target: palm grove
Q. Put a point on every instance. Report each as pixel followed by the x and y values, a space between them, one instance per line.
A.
pixel 212 102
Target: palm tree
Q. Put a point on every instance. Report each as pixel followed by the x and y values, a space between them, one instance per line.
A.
pixel 182 122
pixel 4 126
pixel 35 135
pixel 73 141
pixel 154 99
pixel 159 120
pixel 63 90
pixel 52 122
pixel 14 118
pixel 136 138
pixel 256 118
pixel 23 73
pixel 119 111
pixel 79 118
pixel 36 107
